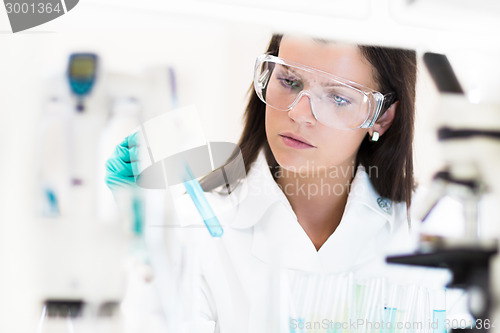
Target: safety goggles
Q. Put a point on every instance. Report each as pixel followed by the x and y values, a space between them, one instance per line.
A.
pixel 335 102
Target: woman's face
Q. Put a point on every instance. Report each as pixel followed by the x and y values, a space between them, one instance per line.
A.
pixel 298 141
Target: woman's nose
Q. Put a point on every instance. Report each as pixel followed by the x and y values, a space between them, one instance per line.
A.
pixel 302 111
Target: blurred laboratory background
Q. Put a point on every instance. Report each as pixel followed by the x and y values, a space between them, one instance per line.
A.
pixel 144 58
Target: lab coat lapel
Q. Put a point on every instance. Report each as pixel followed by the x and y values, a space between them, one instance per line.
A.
pixel 356 239
pixel 256 194
pixel 364 228
pixel 279 239
pixel 366 223
pixel 241 209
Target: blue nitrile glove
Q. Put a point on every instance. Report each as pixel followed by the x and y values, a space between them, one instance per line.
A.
pixel 120 167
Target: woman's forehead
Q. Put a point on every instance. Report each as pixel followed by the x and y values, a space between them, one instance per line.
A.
pixel 343 60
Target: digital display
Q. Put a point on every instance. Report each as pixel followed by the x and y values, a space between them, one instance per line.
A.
pixel 82 67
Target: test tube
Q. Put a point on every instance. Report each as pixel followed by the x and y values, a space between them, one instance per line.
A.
pixel 390 309
pixel 292 300
pixel 439 311
pixel 360 296
pixel 410 309
pixel 374 305
pixel 328 301
pixel 401 308
pixel 301 300
pixel 195 191
pixel 309 299
pixel 422 315
pixel 350 312
pixel 336 300
pixel 317 313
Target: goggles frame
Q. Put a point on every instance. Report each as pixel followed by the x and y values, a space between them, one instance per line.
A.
pixel 378 102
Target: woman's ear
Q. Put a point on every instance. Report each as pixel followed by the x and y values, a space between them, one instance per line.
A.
pixel 384 122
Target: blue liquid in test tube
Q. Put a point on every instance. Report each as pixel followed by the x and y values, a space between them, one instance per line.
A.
pixel 296 325
pixel 195 191
pixel 389 320
pixel 438 319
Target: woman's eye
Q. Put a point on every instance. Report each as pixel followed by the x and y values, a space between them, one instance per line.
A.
pixel 340 101
pixel 290 83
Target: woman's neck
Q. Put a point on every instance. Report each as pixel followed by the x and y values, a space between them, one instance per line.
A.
pixel 318 199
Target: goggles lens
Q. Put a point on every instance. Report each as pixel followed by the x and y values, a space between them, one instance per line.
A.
pixel 335 102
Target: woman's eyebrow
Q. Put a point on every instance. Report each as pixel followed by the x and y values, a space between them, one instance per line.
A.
pixel 324 83
pixel 338 85
pixel 330 84
pixel 289 69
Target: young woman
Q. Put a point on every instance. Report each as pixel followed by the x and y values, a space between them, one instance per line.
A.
pixel 327 147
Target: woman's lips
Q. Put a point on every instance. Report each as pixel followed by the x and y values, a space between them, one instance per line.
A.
pixel 295 141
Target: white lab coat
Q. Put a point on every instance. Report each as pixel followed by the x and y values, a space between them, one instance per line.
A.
pixel 238 285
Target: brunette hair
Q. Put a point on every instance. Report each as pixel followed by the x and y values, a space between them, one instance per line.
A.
pixel 392 154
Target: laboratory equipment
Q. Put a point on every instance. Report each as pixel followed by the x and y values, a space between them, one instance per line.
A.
pixel 193 188
pixel 349 302
pixel 469 135
pixel 82 74
pixel 87 245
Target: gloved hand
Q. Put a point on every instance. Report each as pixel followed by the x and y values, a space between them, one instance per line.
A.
pixel 122 165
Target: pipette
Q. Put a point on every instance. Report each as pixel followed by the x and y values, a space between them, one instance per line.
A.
pixel 195 191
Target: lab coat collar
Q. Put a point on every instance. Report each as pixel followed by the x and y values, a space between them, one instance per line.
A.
pixel 260 206
pixel 259 192
pixel 255 195
pixel 278 237
pixel 244 207
pixel 362 192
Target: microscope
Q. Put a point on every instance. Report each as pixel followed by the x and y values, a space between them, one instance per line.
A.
pixel 469 138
